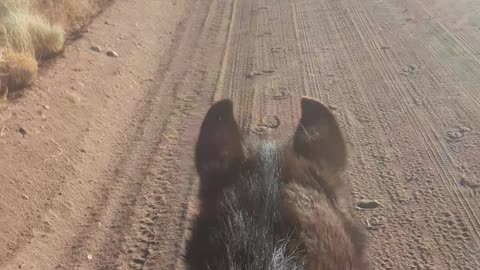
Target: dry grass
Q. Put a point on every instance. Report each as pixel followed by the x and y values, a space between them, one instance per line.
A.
pixel 19 68
pixel 3 97
pixel 71 14
pixel 31 30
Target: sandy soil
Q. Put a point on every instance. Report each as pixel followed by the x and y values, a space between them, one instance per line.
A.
pixel 95 164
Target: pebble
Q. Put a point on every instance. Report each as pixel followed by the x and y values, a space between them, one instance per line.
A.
pixel 113 54
pixel 22 131
pixel 96 49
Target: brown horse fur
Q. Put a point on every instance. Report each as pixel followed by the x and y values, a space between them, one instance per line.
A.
pixel 266 206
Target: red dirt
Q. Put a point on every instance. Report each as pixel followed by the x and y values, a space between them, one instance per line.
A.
pixel 102 176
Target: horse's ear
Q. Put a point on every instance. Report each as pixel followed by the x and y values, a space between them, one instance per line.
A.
pixel 219 145
pixel 318 136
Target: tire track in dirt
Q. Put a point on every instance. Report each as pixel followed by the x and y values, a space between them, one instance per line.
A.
pixel 434 78
pixel 286 83
pixel 428 139
pixel 437 155
pixel 313 86
pixel 196 87
pixel 450 78
pixel 466 43
pixel 466 111
pixel 256 70
pixel 238 70
pixel 138 230
pixel 193 87
pixel 459 45
pixel 445 76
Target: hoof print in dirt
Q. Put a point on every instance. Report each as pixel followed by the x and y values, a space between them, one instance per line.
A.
pixel 375 222
pixel 260 130
pixel 281 95
pixel 270 121
pixel 113 54
pixel 409 69
pixel 456 134
pixel 367 204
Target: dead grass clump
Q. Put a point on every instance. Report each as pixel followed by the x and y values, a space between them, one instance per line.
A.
pixel 47 40
pixel 31 30
pixel 25 32
pixel 3 97
pixel 71 14
pixel 17 70
pixel 24 38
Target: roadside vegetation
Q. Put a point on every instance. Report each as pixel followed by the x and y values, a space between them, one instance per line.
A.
pixel 34 30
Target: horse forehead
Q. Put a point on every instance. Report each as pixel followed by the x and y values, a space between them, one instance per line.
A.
pixel 267 155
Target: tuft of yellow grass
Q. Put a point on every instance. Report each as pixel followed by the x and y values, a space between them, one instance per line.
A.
pixel 23 31
pixel 18 69
pixel 24 38
pixel 71 14
pixel 3 97
pixel 31 30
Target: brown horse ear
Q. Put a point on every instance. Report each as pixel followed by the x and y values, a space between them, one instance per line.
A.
pixel 219 146
pixel 318 136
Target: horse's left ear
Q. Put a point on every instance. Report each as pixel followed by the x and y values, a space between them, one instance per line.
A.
pixel 318 136
pixel 219 146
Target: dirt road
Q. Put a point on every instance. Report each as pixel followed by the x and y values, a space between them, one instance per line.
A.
pixel 101 176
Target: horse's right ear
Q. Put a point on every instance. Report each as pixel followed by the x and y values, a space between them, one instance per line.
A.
pixel 219 146
pixel 318 137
